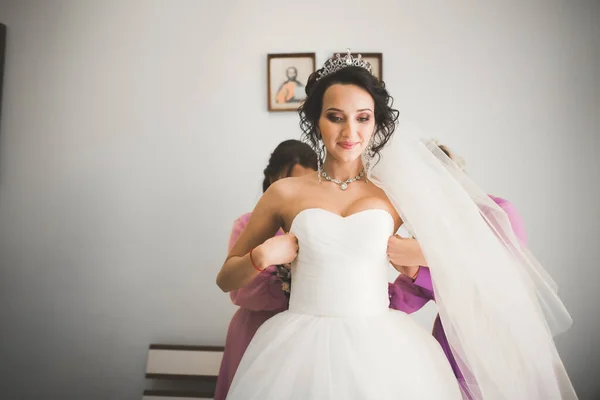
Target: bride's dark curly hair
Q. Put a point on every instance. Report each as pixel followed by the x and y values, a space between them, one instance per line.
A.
pixel 310 110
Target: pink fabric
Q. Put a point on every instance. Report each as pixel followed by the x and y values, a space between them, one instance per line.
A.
pixel 258 301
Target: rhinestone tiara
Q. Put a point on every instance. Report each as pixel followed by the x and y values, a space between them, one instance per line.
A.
pixel 338 62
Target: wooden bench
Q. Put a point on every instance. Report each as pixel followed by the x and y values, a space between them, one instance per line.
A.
pixel 176 366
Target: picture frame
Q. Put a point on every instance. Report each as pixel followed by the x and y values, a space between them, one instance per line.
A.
pixel 287 75
pixel 375 59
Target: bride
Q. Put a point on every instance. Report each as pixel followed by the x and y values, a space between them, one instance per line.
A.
pixel 339 340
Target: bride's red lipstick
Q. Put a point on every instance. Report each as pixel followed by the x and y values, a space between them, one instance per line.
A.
pixel 347 145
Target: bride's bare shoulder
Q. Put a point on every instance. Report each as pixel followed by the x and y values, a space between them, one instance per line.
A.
pixel 292 187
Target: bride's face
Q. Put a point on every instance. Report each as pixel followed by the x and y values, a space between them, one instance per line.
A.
pixel 347 121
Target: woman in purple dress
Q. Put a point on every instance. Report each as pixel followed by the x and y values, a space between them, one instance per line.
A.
pixel 263 297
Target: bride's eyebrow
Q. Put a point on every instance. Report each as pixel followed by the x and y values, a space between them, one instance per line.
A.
pixel 338 110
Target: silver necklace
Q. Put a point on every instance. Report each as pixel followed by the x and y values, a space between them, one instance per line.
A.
pixel 343 184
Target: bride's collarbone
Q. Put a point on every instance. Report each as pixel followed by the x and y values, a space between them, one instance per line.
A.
pixel 329 197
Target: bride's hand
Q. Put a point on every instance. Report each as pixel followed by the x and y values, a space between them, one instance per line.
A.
pixel 404 253
pixel 278 250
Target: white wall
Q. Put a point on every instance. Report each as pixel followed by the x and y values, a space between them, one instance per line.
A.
pixel 133 133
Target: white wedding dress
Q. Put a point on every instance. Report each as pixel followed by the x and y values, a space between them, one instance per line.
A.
pixel 339 339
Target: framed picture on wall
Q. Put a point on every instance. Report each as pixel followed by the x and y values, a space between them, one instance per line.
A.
pixel 287 75
pixel 376 60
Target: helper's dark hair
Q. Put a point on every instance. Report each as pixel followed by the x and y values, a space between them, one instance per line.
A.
pixel 286 155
